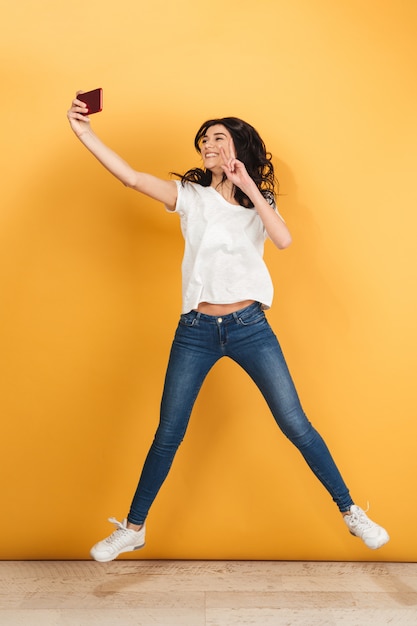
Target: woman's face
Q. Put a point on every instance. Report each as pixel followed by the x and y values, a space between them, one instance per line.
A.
pixel 216 138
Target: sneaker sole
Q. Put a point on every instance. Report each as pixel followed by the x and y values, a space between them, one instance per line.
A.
pixel 112 558
pixel 381 543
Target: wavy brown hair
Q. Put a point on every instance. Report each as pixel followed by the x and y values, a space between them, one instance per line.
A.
pixel 250 149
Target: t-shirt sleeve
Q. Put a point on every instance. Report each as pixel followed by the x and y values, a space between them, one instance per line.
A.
pixel 184 193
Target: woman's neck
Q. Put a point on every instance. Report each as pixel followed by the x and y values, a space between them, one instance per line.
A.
pixel 224 187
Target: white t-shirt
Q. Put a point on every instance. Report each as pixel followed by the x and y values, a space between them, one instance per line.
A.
pixel 224 244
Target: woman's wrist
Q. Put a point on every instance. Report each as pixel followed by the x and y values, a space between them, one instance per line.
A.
pixel 253 192
pixel 85 135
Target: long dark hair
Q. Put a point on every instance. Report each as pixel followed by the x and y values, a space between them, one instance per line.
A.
pixel 250 149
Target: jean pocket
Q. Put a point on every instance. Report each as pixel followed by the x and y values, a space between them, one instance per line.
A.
pixel 248 318
pixel 188 319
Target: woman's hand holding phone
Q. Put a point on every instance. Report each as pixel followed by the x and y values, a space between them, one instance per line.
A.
pixel 83 105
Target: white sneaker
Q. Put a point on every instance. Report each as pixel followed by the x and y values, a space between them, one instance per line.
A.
pixel 121 540
pixel 360 525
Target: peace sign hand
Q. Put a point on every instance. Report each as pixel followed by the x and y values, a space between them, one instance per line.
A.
pixel 234 169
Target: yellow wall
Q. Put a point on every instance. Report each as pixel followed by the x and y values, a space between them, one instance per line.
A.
pixel 90 273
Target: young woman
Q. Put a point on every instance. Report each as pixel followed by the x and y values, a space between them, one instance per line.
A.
pixel 227 209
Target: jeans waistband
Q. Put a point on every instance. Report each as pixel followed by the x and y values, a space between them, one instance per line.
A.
pixel 229 317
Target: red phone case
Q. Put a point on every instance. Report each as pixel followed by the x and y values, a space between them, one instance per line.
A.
pixel 93 100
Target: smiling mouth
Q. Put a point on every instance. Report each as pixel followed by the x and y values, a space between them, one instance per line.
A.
pixel 210 154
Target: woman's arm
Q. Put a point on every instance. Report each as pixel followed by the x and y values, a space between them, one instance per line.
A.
pixel 274 224
pixel 163 190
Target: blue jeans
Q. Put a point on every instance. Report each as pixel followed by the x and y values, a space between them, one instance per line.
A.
pixel 246 337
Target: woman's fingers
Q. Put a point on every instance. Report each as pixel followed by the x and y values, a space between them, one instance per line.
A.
pixel 229 161
pixel 77 115
pixel 78 105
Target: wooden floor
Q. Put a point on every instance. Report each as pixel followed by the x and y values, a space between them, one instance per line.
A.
pixel 207 593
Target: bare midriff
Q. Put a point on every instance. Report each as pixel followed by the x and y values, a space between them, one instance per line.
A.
pixel 222 309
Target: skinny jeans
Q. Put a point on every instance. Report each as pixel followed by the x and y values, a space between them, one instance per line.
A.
pixel 246 337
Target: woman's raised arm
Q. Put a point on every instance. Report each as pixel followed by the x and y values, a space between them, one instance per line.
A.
pixel 164 191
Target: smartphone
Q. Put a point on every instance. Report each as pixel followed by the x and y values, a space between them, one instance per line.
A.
pixel 93 100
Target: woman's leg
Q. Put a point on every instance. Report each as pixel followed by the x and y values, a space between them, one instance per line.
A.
pixel 189 363
pixel 262 358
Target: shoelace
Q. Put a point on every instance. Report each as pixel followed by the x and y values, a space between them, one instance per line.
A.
pixel 360 519
pixel 120 532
